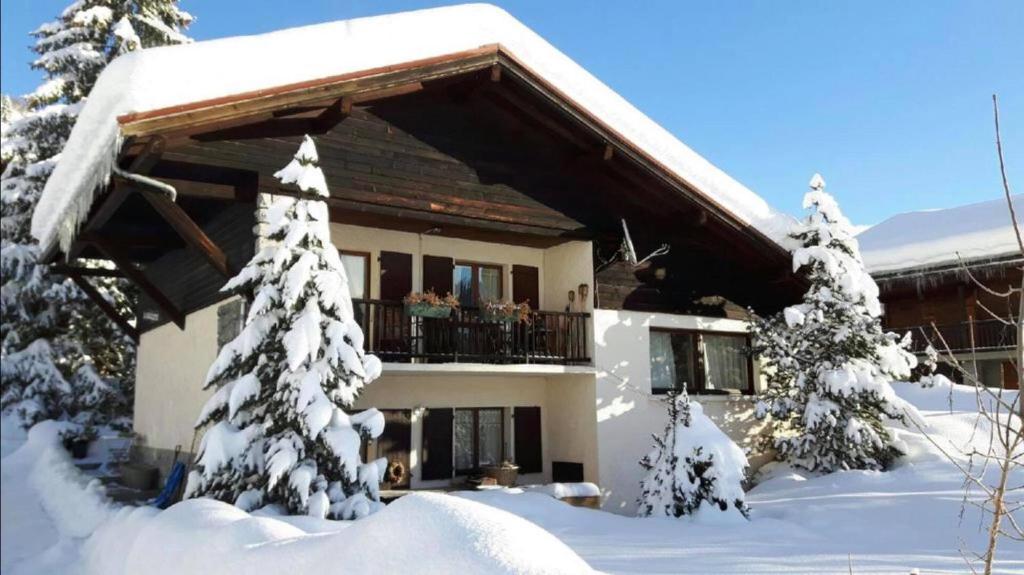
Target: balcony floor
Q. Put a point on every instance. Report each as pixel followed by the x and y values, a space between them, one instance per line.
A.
pixel 538 369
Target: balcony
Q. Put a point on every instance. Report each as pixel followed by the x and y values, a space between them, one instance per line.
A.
pixel 549 337
pixel 989 335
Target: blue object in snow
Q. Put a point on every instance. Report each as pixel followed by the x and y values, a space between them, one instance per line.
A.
pixel 174 478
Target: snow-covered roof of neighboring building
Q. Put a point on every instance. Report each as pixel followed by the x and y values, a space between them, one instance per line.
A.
pixel 160 78
pixel 935 237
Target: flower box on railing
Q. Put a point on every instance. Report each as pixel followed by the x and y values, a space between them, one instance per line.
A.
pixel 506 312
pixel 429 305
pixel 427 310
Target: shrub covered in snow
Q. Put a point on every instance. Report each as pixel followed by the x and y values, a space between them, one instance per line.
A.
pixel 279 434
pixel 62 357
pixel 693 465
pixel 829 364
pixel 927 371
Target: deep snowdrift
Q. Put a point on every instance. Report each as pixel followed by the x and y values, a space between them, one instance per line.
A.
pixel 880 522
pixel 421 533
pixel 46 504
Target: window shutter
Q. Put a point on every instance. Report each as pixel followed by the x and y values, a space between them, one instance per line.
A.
pixel 437 444
pixel 527 440
pixel 230 320
pixel 437 274
pixel 395 275
pixel 526 285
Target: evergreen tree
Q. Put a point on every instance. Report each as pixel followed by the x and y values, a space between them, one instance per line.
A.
pixel 279 431
pixel 828 362
pixel 62 358
pixel 693 465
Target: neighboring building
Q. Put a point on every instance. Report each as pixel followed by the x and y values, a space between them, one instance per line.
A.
pixel 924 262
pixel 463 154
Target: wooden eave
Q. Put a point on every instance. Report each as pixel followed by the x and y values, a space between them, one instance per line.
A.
pixel 367 85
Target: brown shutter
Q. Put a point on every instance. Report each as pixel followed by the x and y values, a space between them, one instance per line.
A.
pixel 437 274
pixel 525 285
pixel 437 444
pixel 395 275
pixel 527 440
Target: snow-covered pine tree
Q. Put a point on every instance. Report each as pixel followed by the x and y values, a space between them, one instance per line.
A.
pixel 829 364
pixel 62 358
pixel 693 465
pixel 279 431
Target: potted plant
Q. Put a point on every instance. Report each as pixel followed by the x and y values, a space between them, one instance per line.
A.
pixel 505 474
pixel 505 311
pixel 429 304
pixel 77 440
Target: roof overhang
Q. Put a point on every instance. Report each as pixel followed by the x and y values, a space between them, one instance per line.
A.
pixel 187 119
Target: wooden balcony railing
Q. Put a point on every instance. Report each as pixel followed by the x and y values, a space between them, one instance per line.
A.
pixel 465 337
pixel 988 334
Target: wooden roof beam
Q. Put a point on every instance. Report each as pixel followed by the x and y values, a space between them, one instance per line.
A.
pixel 115 197
pixel 116 254
pixel 189 231
pixel 77 276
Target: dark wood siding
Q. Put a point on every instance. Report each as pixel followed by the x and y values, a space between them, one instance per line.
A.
pixel 184 275
pixel 526 285
pixel 528 446
pixel 437 274
pixel 437 444
pixel 395 275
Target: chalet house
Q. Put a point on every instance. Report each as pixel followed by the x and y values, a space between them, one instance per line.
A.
pixel 928 266
pixel 464 154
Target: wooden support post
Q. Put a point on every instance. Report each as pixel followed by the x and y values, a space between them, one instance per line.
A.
pixel 189 231
pixel 496 73
pixel 609 151
pixel 108 309
pixel 114 253
pixel 333 115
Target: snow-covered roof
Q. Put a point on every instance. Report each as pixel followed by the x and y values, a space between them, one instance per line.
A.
pixel 176 75
pixel 935 237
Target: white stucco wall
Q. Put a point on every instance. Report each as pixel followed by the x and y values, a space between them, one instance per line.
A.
pixel 560 268
pixel 170 372
pixel 417 392
pixel 627 413
pixel 172 366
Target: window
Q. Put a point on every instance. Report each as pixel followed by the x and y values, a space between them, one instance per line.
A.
pixel 478 438
pixel 357 268
pixel 474 283
pixel 700 362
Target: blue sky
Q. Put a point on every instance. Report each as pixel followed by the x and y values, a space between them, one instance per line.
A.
pixel 890 101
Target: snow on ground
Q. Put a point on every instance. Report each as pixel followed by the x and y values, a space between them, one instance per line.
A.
pixel 880 522
pixel 889 522
pixel 56 520
pixel 46 505
pixel 932 237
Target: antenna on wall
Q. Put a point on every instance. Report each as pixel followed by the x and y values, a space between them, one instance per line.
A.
pixel 629 252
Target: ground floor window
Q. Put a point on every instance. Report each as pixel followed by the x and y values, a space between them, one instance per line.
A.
pixel 700 362
pixel 478 438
